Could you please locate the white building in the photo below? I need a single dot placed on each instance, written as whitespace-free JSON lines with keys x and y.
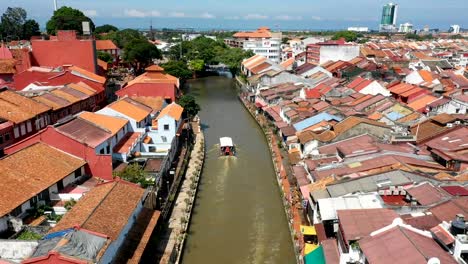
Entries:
{"x":262,"y":42}
{"x":358,"y":29}
{"x":455,"y":29}
{"x":406,"y":28}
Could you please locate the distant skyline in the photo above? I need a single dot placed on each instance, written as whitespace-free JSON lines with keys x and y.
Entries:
{"x":248,"y":14}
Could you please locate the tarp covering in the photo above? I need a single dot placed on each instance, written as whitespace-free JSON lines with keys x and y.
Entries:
{"x":308,"y":248}
{"x":315,"y":257}
{"x":308,"y":230}
{"x":75,"y":243}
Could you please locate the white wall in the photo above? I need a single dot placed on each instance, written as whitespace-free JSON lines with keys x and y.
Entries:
{"x":375,"y":88}
{"x":335,"y":53}
{"x":414,"y":78}
{"x":311,"y":148}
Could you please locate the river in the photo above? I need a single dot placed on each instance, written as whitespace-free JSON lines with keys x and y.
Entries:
{"x":238,"y":216}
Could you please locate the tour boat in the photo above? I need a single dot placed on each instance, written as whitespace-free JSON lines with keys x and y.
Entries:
{"x":226,"y":146}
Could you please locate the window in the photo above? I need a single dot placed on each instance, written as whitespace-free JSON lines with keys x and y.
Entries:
{"x":23,"y":129}
{"x":166,"y":127}
{"x":16,"y":132}
{"x":152,"y":149}
{"x":78,"y":173}
{"x":17,"y":211}
{"x":108,"y":149}
{"x":164,"y":139}
{"x":1,"y":139}
{"x":33,"y":201}
{"x":102,"y":151}
{"x":29,"y":126}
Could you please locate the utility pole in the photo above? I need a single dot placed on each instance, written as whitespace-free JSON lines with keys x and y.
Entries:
{"x":55,"y":5}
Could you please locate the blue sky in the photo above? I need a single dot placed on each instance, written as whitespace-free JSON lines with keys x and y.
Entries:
{"x":248,"y":14}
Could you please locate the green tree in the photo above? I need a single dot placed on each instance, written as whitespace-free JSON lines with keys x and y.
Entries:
{"x":233,"y":57}
{"x":12,"y":22}
{"x":30,"y":28}
{"x":134,"y":173}
{"x":190,"y":105}
{"x":123,"y":37}
{"x":178,"y":69}
{"x":67,"y":18}
{"x":140,"y":53}
{"x":105,"y":29}
{"x":104,"y":56}
{"x":196,"y":65}
{"x":347,"y":35}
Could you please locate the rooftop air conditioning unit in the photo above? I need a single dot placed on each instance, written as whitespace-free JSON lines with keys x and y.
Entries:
{"x":457,"y":122}
{"x":381,"y":192}
{"x":449,"y":125}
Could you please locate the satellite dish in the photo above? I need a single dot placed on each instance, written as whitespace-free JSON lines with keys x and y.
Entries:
{"x":433,"y":261}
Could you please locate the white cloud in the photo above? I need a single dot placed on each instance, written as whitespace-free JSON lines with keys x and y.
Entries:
{"x":140,"y":14}
{"x":155,"y":13}
{"x":177,"y":14}
{"x":232,"y":18}
{"x":207,"y":16}
{"x":316,"y":18}
{"x":90,"y":13}
{"x":286,"y":17}
{"x":134,"y":13}
{"x":255,"y":16}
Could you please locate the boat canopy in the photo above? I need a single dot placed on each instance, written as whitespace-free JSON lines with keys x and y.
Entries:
{"x":226,"y":142}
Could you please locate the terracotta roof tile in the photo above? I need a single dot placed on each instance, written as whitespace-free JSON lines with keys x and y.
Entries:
{"x":132,"y":109}
{"x":105,"y":209}
{"x":173,"y":110}
{"x":87,"y":74}
{"x":112,"y":124}
{"x":156,"y":103}
{"x":28,"y":172}
{"x":105,"y":45}
{"x":17,"y":108}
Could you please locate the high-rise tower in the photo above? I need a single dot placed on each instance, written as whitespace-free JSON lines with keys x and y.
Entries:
{"x":389,"y":17}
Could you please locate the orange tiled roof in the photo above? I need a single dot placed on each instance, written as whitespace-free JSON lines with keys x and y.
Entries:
{"x":82,"y":88}
{"x":17,"y":108}
{"x":422,"y":102}
{"x":105,"y":45}
{"x":131,"y":109}
{"x":154,"y":68}
{"x":426,"y":75}
{"x":7,"y":66}
{"x":106,"y":209}
{"x":156,"y":103}
{"x":28,"y":172}
{"x":262,"y":32}
{"x":70,"y":98}
{"x":104,"y":65}
{"x":173,"y":110}
{"x":87,"y":74}
{"x":110,"y":123}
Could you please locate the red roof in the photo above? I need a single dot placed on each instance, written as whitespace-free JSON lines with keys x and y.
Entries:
{"x":23,"y":79}
{"x":358,"y":223}
{"x":456,"y":190}
{"x":105,"y":45}
{"x":164,"y":90}
{"x":427,"y":194}
{"x":403,"y":246}
{"x":448,"y":210}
